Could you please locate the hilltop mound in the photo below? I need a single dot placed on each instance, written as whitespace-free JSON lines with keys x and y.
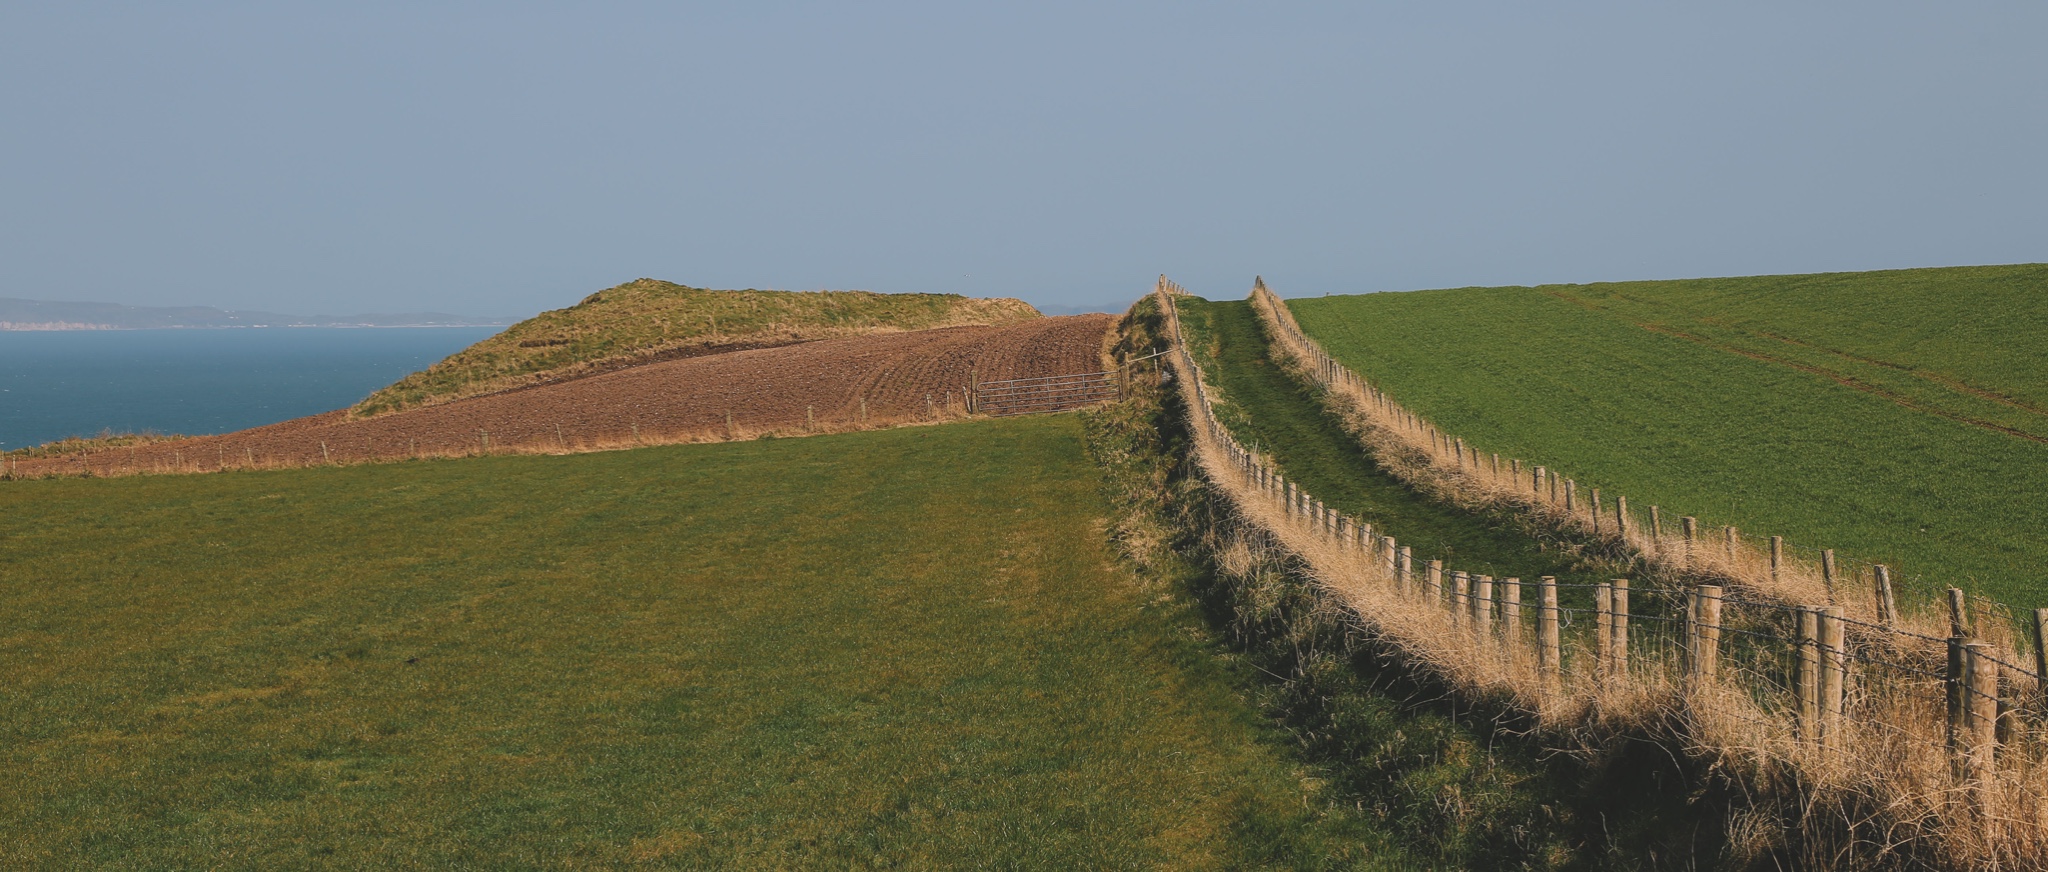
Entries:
{"x":647,"y":320}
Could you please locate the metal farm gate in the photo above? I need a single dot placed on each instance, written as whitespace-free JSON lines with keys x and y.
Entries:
{"x":1053,"y":393}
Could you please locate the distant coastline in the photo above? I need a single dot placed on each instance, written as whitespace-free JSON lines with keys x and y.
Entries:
{"x":58,"y":326}
{"x":18,"y":315}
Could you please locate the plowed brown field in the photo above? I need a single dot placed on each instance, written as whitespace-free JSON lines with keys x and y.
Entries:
{"x":831,"y":384}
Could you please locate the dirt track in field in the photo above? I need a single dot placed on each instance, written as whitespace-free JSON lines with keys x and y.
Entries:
{"x":814,"y":386}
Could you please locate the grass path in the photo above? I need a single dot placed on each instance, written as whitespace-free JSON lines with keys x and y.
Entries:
{"x":1284,"y":418}
{"x":897,"y":648}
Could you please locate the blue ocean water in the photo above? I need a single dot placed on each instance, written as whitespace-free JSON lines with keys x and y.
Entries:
{"x":79,"y":383}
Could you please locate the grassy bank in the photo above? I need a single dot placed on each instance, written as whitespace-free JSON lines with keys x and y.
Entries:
{"x":1664,"y":392}
{"x":904,"y":648}
{"x":1458,"y":780}
{"x":649,"y":319}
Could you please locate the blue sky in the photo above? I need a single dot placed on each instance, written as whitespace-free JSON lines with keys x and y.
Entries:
{"x":505,"y":158}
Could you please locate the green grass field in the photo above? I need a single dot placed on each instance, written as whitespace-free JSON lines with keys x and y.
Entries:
{"x":899,"y":648}
{"x":1886,"y":415}
{"x":647,"y":316}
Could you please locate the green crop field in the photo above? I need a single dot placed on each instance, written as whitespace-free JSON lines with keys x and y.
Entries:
{"x":1893,"y":416}
{"x":646,"y":317}
{"x":896,"y":648}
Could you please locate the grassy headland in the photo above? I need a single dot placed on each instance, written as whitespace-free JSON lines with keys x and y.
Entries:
{"x":1887,"y":415}
{"x":647,"y":319}
{"x":904,"y":648}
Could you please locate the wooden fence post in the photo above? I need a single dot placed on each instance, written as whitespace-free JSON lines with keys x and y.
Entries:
{"x":1603,"y":626}
{"x":2040,"y":629}
{"x":1511,"y":609}
{"x":1809,"y":673}
{"x":1958,"y":614}
{"x":1482,"y":605}
{"x":1549,"y":650}
{"x":1621,"y":517}
{"x":1706,"y":632}
{"x":1596,"y":511}
{"x":1460,"y":606}
{"x":1958,"y":680}
{"x":1834,"y":673}
{"x":1827,"y":571}
{"x":1619,"y":603}
{"x":1691,"y":528}
{"x":1405,"y":568}
{"x":1536,"y":482}
{"x":1656,"y":529}
{"x":1734,"y":542}
{"x":1980,"y":710}
{"x":1433,"y":583}
{"x":1777,"y":556}
{"x":1887,"y":605}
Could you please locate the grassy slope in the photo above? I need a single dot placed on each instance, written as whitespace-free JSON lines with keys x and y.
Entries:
{"x":1708,"y":423}
{"x":646,"y":316}
{"x":903,"y":647}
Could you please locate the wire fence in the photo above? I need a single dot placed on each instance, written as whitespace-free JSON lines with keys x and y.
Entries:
{"x":1844,"y":688}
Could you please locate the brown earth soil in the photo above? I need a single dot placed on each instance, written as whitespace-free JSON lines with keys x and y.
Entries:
{"x":810,"y":387}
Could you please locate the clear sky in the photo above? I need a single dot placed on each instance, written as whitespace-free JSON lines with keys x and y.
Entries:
{"x":502,"y":158}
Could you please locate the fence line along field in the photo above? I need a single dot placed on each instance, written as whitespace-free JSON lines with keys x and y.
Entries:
{"x":1893,"y":755}
{"x":1752,"y":403}
{"x":821,"y":386}
{"x":905,"y":647}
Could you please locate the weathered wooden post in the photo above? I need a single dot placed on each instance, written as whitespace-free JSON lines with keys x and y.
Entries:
{"x":1973,"y":708}
{"x":1777,"y":556}
{"x":1690,"y":527}
{"x":1603,"y":627}
{"x":1433,"y":583}
{"x":1549,"y":647}
{"x":1536,"y":482}
{"x":1460,"y":451}
{"x":1619,"y":603}
{"x":1734,"y":545}
{"x":1293,"y":497}
{"x":1958,"y":614}
{"x":2041,"y":651}
{"x":1460,"y":606}
{"x":1406,"y":568}
{"x":1482,"y":604}
{"x":1511,"y":609}
{"x":1621,"y":517}
{"x":1656,"y":529}
{"x":1809,"y":674}
{"x":1834,"y":673}
{"x":1571,"y":495}
{"x":1887,"y":604}
{"x":1706,"y":632}
{"x":1827,"y":571}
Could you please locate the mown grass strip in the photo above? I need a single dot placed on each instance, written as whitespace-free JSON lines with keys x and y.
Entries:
{"x":1266,"y":406}
{"x":1706,"y":429}
{"x":905,"y":647}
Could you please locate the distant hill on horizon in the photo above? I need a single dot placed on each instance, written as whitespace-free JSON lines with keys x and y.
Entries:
{"x":19,"y":314}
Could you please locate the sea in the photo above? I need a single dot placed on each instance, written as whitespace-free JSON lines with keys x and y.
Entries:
{"x":60,"y":383}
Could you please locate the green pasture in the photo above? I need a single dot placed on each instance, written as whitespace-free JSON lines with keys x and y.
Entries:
{"x":906,"y":648}
{"x":1873,"y":413}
